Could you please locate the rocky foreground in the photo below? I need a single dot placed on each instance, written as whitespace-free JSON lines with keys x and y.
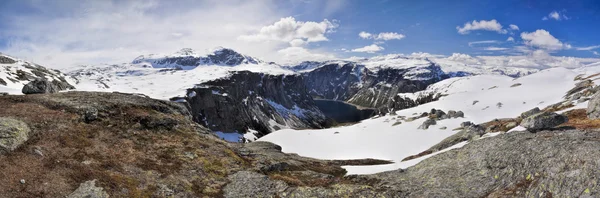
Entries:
{"x":87,"y":144}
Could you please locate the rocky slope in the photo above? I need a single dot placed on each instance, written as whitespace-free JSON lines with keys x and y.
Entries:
{"x":15,"y":73}
{"x":260,"y":102}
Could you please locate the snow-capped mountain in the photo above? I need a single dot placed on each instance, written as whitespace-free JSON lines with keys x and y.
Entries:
{"x":15,"y":73}
{"x":187,"y":58}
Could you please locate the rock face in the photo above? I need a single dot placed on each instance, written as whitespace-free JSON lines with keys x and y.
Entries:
{"x":593,"y":109}
{"x":13,"y":133}
{"x":255,"y":101}
{"x":517,"y":164}
{"x":530,"y":113}
{"x":355,"y":84}
{"x":544,"y":120}
{"x":88,"y":189}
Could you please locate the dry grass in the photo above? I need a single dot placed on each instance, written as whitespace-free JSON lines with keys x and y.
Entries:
{"x":579,"y":120}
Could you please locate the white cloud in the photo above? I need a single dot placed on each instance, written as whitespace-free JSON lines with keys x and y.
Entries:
{"x":294,"y":55}
{"x":542,"y":39}
{"x":510,"y":39}
{"x":491,"y":25}
{"x":513,"y":27}
{"x":384,"y":36}
{"x":365,"y":35}
{"x":495,"y":48}
{"x":471,"y":44}
{"x":92,"y":32}
{"x":288,"y":29}
{"x":556,"y":16}
{"x":596,"y":53}
{"x":369,"y":49}
{"x":588,"y":48}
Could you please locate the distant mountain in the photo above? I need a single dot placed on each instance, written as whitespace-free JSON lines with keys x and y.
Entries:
{"x":15,"y":73}
{"x":187,"y":58}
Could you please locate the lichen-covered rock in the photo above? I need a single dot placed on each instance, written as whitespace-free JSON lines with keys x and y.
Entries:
{"x":593,"y":109}
{"x":252,"y":184}
{"x":544,"y":120}
{"x":39,"y":86}
{"x":88,"y":189}
{"x":13,"y":133}
{"x":530,"y":112}
{"x":427,"y":123}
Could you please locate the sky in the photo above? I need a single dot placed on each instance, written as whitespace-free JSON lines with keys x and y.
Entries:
{"x":65,"y":33}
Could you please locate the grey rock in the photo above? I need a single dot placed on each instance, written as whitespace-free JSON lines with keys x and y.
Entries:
{"x":90,"y":114}
{"x":443,"y":128}
{"x":22,"y":181}
{"x":466,"y":124}
{"x":3,"y":94}
{"x":530,"y":113}
{"x":544,"y":120}
{"x":593,"y":108}
{"x":88,"y":189}
{"x":439,"y":114}
{"x":475,"y":102}
{"x":451,"y":114}
{"x":427,"y":123}
{"x":459,"y":114}
{"x":6,"y":60}
{"x":516,"y":85}
{"x":39,"y":86}
{"x":13,"y":133}
{"x":252,"y":184}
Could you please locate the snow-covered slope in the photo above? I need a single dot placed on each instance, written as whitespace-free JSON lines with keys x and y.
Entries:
{"x":381,"y":138}
{"x":15,"y":73}
{"x":188,"y":59}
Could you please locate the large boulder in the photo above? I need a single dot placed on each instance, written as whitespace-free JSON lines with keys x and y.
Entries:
{"x":40,"y":86}
{"x":530,"y":112}
{"x":544,"y":120}
{"x":88,"y":189}
{"x":13,"y":133}
{"x":593,"y":109}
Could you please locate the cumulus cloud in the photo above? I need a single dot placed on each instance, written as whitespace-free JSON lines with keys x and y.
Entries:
{"x":513,"y":27}
{"x":542,"y":39}
{"x":491,"y":25}
{"x":288,"y":29}
{"x":384,"y":36}
{"x":556,"y":16}
{"x":510,"y":39}
{"x":369,"y":49}
{"x":588,"y":48}
{"x":294,"y":55}
{"x":596,"y":53}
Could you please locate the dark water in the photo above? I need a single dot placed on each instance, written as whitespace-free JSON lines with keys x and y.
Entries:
{"x":342,"y":112}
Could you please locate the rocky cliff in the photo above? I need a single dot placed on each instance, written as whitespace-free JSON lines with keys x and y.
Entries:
{"x":261,"y":102}
{"x":379,"y":89}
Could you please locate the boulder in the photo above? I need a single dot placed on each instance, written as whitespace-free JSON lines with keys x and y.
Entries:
{"x":88,"y":189}
{"x":40,"y":86}
{"x":593,"y":109}
{"x":13,"y":133}
{"x":459,"y":114}
{"x":451,"y":113}
{"x":252,"y":184}
{"x":544,"y":120}
{"x":466,"y":124}
{"x":427,"y":123}
{"x":530,"y":112}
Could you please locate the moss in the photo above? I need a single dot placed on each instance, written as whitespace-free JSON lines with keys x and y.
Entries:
{"x":587,"y":191}
{"x":529,"y":177}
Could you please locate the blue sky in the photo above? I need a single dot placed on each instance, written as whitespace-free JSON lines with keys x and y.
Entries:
{"x":69,"y":32}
